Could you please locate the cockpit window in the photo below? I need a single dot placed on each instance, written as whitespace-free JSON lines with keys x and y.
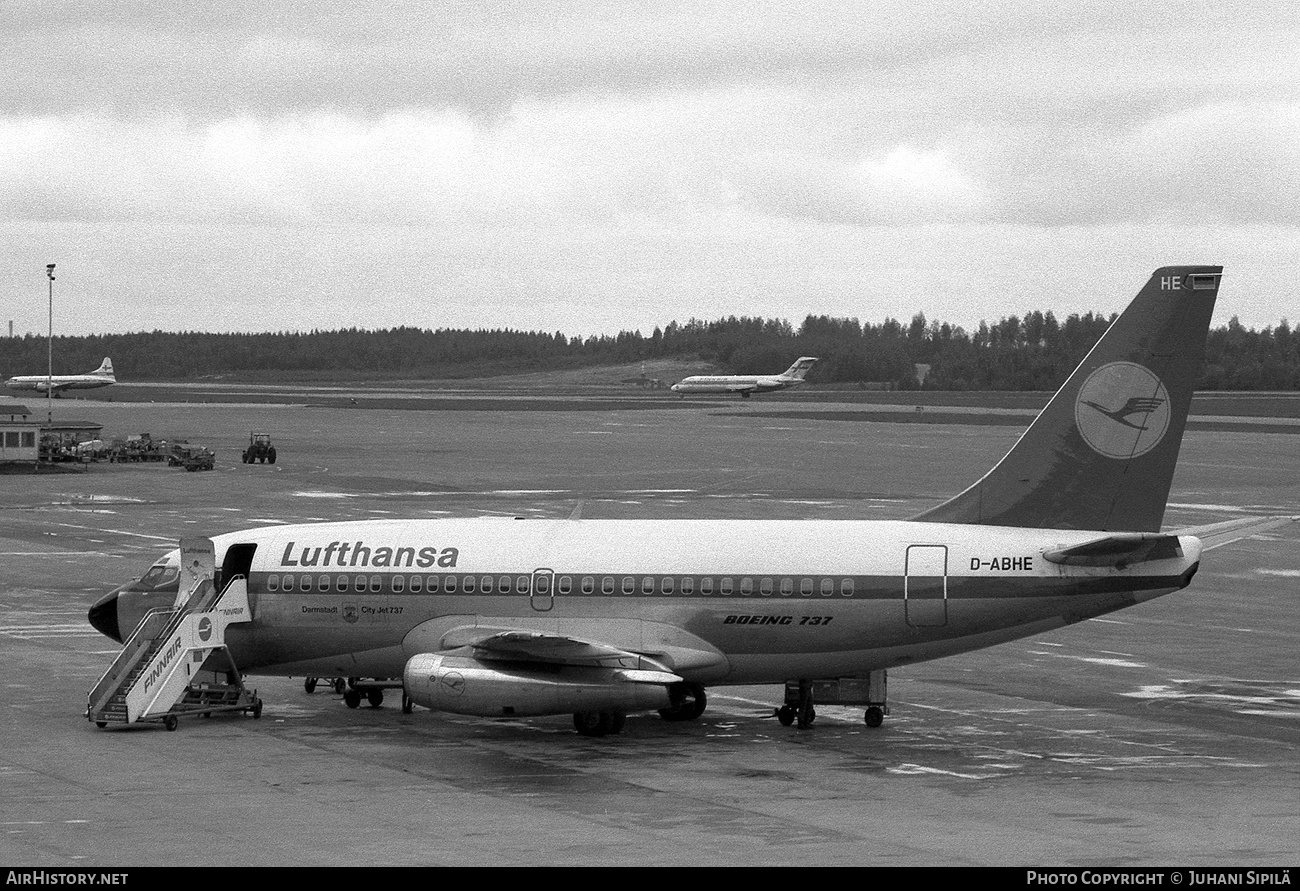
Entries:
{"x":159,"y":576}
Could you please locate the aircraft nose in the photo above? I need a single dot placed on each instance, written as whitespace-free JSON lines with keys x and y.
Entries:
{"x":103,"y":616}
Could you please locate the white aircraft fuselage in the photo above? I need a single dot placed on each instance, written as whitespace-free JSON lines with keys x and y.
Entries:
{"x":734,"y":602}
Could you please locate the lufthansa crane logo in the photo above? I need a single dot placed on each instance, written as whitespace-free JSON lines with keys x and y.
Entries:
{"x":1122,"y":410}
{"x":451,"y":684}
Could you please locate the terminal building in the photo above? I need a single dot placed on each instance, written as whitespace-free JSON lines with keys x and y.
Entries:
{"x":24,"y":441}
{"x":19,"y":435}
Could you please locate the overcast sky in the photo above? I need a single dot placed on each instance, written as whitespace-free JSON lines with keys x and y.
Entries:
{"x":592,"y":167}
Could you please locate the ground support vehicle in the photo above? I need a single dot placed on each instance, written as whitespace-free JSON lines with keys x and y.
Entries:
{"x":338,"y":684}
{"x":373,"y":691}
{"x":259,"y":449}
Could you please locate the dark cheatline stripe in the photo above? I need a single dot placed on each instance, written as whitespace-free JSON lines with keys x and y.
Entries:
{"x":863,"y":587}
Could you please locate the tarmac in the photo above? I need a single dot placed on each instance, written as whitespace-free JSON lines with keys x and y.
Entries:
{"x":1163,"y":735}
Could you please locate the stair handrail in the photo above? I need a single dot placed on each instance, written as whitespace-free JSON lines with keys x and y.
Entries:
{"x":155,"y":624}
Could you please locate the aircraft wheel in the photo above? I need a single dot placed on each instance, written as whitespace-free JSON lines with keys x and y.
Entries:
{"x":785,"y":714}
{"x":700,"y":703}
{"x":874,"y":716}
{"x":339,"y":686}
{"x":408,"y":704}
{"x":375,"y":697}
{"x":170,"y":723}
{"x":309,"y":685}
{"x":689,"y":703}
{"x":352,"y":698}
{"x":591,"y":723}
{"x":101,"y":724}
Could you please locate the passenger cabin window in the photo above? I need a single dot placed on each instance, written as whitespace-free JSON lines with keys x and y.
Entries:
{"x":629,"y":584}
{"x":503,"y":584}
{"x":688,"y":585}
{"x":399,"y":583}
{"x":288,"y":583}
{"x":607,"y":585}
{"x":724,"y":587}
{"x":805,"y":587}
{"x":521,"y":584}
{"x":417,"y":584}
{"x":706,"y":585}
{"x":648,"y":585}
{"x":787,"y":587}
{"x":746,"y":586}
{"x":468,"y":587}
{"x":588,"y":585}
{"x":486,"y":587}
{"x":565,"y":585}
{"x":322,"y":583}
{"x":449,"y":584}
{"x":340,"y":583}
{"x":666,"y":586}
{"x":273,"y":583}
{"x":846,"y":587}
{"x":304,"y":583}
{"x":765,"y":587}
{"x":828,"y":587}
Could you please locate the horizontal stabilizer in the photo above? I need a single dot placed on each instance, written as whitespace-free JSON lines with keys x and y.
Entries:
{"x":1216,"y":535}
{"x":1118,"y":550}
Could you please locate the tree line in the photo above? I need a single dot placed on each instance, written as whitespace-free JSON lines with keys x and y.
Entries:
{"x":1031,"y":352}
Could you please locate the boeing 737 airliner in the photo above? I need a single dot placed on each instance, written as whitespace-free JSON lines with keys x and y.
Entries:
{"x":100,"y":377}
{"x":745,"y":384}
{"x":598,"y":618}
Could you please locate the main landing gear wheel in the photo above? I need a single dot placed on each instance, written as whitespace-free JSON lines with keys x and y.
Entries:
{"x":309,"y":685}
{"x":352,"y":698}
{"x":786,"y":715}
{"x":598,"y":723}
{"x":375,"y":697}
{"x":874,"y":716}
{"x":688,"y":702}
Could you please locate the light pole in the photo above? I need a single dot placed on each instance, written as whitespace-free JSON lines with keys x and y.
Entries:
{"x":49,"y":371}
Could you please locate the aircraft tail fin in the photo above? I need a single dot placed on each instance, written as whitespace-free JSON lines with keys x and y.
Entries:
{"x":799,"y":369}
{"x":1101,"y":455}
{"x":105,"y":368}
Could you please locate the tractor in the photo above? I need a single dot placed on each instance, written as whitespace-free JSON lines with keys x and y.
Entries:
{"x":259,"y":449}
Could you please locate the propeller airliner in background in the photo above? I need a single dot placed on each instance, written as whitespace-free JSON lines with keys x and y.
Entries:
{"x":41,"y":383}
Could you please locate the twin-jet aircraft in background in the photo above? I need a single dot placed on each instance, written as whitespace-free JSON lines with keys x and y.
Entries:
{"x":599,"y":618}
{"x":745,"y":384}
{"x":56,"y":384}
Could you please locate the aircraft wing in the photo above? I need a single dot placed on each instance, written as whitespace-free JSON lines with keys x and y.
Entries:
{"x":1215,"y":535}
{"x":523,"y":646}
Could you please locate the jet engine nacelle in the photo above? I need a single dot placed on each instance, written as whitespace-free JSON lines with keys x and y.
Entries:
{"x":467,"y":686}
